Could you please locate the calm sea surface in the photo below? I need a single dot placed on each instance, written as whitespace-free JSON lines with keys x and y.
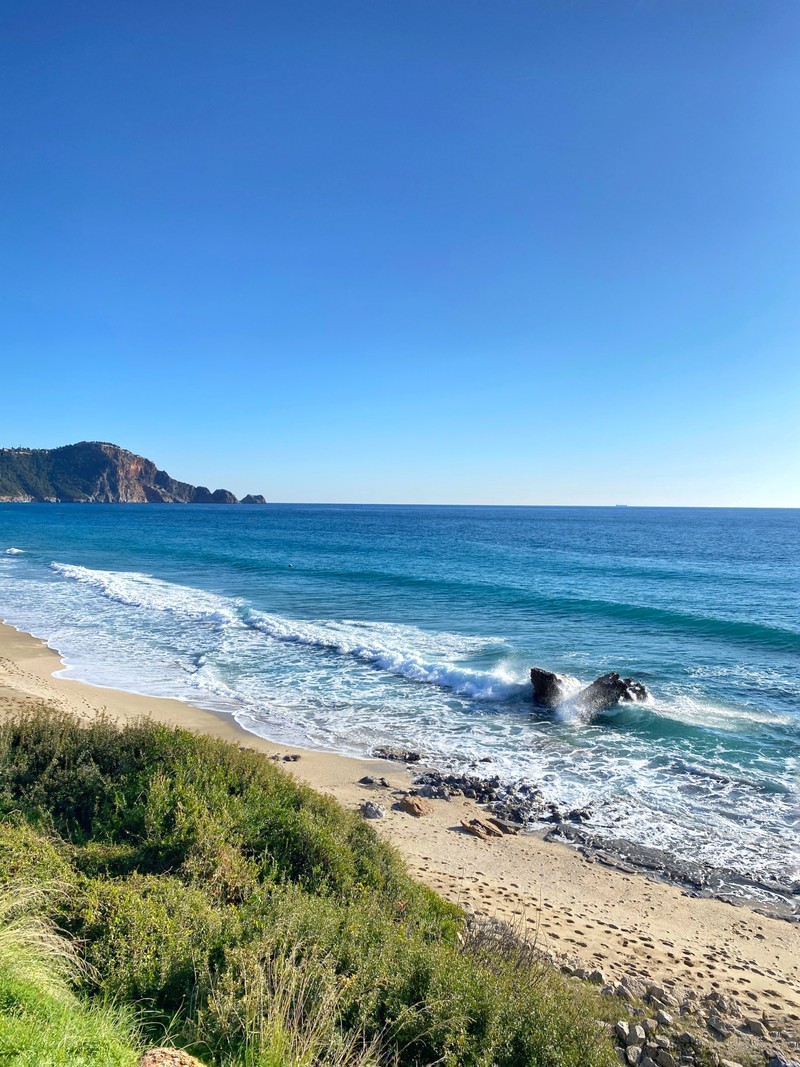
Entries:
{"x":349,"y":627}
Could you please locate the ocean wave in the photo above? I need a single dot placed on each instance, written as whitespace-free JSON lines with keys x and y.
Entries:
{"x":14,"y":551}
{"x":383,"y":645}
{"x":346,"y":640}
{"x":137,"y":590}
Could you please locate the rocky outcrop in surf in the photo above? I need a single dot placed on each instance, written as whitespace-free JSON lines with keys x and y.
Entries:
{"x":605,"y":692}
{"x":548,"y":689}
{"x":609,"y":690}
{"x":99,"y":473}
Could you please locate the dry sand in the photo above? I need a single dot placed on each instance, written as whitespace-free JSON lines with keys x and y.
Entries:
{"x":591,"y":914}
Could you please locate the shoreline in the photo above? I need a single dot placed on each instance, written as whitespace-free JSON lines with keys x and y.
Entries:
{"x":585,"y":915}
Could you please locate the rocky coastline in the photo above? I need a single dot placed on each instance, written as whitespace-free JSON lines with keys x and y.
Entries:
{"x":96,"y":472}
{"x":523,"y":808}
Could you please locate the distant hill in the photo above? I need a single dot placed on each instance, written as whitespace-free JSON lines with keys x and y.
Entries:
{"x":96,"y":472}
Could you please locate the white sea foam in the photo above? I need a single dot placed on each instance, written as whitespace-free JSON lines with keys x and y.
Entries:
{"x":138,"y":590}
{"x":14,"y":551}
{"x":383,"y":645}
{"x":379,"y":649}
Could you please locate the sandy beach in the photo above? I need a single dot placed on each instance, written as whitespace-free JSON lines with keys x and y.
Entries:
{"x":596,"y":917}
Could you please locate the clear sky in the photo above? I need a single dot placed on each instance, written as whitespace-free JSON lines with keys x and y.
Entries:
{"x":485,"y":251}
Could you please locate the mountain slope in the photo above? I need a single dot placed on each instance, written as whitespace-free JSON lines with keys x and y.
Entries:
{"x":95,"y":472}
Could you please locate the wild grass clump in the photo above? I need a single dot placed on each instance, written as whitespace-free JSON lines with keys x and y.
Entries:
{"x":257,"y":922}
{"x":42,"y":1022}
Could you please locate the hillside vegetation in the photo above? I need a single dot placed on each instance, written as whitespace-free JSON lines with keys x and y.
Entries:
{"x":255,"y":922}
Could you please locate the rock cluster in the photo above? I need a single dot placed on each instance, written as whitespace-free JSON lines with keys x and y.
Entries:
{"x":670,"y":1027}
{"x":603,"y":693}
{"x":398,"y":755}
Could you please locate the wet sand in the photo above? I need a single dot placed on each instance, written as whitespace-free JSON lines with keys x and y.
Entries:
{"x":582,"y":912}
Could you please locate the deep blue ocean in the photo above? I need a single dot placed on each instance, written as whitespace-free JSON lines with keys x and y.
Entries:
{"x":347,"y":627}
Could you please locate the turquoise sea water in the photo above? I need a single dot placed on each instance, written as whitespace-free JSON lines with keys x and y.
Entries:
{"x":350,"y":627}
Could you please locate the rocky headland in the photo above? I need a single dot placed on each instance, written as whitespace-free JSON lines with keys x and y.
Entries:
{"x":95,"y":472}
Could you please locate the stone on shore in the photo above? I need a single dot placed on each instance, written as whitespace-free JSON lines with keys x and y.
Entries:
{"x":416,"y":806}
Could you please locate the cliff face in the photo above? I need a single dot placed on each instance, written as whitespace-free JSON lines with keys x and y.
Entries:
{"x":95,"y":472}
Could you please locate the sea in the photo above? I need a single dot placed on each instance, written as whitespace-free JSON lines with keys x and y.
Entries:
{"x":347,"y":628}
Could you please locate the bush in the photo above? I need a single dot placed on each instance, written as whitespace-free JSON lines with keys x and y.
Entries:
{"x":258,"y":920}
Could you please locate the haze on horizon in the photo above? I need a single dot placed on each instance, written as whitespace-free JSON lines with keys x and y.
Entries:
{"x":374,"y":251}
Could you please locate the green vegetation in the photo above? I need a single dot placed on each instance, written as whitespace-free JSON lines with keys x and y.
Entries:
{"x":42,"y":1022}
{"x":255,"y":921}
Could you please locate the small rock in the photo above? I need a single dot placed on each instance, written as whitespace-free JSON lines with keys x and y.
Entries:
{"x":416,"y":806}
{"x":650,"y":1026}
{"x":646,"y":1062}
{"x":717,"y":1026}
{"x":729,"y":1063}
{"x":622,"y":1029}
{"x":633,"y":1054}
{"x":664,"y":1058}
{"x":755,"y":1026}
{"x":663,"y":1041}
{"x":663,"y":1018}
{"x":596,"y":977}
{"x":636,"y":1036}
{"x":636,"y":985}
{"x":371,"y":810}
{"x":168,"y":1057}
{"x":658,"y":992}
{"x":291,"y":757}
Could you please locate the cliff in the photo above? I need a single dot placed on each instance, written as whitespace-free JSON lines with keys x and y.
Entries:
{"x":95,"y":472}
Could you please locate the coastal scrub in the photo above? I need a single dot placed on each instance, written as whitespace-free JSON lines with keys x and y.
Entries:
{"x":257,"y":922}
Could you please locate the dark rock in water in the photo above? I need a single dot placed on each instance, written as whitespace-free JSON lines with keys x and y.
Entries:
{"x":253,"y":498}
{"x":547,"y":688}
{"x":399,"y":755}
{"x":609,"y":690}
{"x":579,"y":815}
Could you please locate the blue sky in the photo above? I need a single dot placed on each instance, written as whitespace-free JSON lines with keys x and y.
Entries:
{"x":518,"y":251}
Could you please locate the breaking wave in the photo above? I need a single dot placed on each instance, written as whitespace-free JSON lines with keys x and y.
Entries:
{"x":382,"y":645}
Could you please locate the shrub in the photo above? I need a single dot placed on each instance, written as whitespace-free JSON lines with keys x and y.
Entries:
{"x":258,"y":920}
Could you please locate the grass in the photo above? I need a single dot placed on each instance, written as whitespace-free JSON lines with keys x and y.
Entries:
{"x":256,"y":921}
{"x":42,"y":1022}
